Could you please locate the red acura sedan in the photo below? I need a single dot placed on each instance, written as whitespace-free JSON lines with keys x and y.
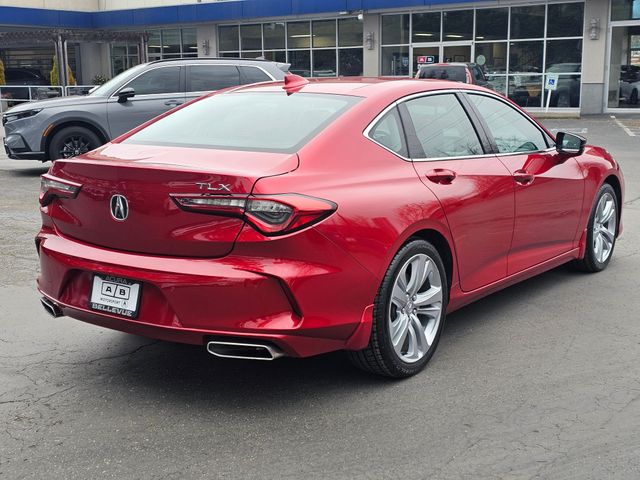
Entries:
{"x":304,"y":217}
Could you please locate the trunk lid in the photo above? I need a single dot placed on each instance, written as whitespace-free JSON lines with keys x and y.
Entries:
{"x":146,"y":176}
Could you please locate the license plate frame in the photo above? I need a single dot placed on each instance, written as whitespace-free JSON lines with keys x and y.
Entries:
{"x":115,"y":295}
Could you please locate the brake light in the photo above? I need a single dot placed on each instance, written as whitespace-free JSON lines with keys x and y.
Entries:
{"x":269,"y":214}
{"x":53,"y":187}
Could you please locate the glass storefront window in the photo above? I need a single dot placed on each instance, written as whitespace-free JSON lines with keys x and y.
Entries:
{"x":276,"y":56}
{"x":298,"y":35}
{"x":300,"y":61}
{"x":624,"y":71}
{"x":349,"y":32}
{"x":564,"y":56}
{"x":565,"y":20}
{"x":526,"y":90}
{"x":567,"y":94}
{"x":251,"y":37}
{"x":324,"y":33}
{"x":492,"y":23}
{"x":457,"y":25}
{"x":324,"y":63}
{"x":525,"y":57}
{"x":527,"y":22}
{"x":154,"y":44}
{"x":395,"y":61}
{"x":350,"y":62}
{"x":228,"y":38}
{"x":273,"y":35}
{"x":426,"y":27}
{"x":189,"y":42}
{"x":395,"y":29}
{"x":313,"y":48}
{"x":171,"y":43}
{"x":625,"y":9}
{"x":492,"y":57}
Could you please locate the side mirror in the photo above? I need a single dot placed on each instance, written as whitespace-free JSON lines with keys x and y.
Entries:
{"x":125,"y":94}
{"x":570,"y":144}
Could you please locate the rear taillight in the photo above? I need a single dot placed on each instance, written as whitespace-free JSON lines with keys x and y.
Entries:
{"x":269,"y":214}
{"x":53,"y":187}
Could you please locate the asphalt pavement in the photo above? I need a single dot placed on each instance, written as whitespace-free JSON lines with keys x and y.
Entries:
{"x":541,"y":380}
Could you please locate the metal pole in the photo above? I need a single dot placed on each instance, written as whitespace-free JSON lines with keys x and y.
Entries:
{"x":143,"y":54}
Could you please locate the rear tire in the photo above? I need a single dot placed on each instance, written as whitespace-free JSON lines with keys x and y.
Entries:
{"x":634,"y":97}
{"x":72,"y":141}
{"x":408,"y":313}
{"x":601,"y":231}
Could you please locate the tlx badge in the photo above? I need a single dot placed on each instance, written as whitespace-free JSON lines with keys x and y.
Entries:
{"x":222,"y":187}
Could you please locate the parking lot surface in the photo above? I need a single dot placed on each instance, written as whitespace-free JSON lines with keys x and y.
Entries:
{"x":541,"y":380}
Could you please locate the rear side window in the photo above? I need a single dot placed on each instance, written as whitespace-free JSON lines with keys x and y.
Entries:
{"x":157,"y":81}
{"x":254,"y":121}
{"x":388,"y":133}
{"x":512,"y":131}
{"x":253,"y":75}
{"x":205,"y":78}
{"x":455,"y":73}
{"x":443,"y":127}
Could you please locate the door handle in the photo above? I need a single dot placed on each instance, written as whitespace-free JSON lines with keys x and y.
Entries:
{"x":523,"y":177}
{"x":441,"y":175}
{"x":172,"y":103}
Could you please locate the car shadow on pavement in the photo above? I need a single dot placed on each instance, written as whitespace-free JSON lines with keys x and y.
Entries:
{"x":188,"y":374}
{"x":29,"y":172}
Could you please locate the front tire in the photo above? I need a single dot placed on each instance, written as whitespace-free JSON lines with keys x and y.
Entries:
{"x":601,"y":231}
{"x":71,"y":142}
{"x":408,"y":314}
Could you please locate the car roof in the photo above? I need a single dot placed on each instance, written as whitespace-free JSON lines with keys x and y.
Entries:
{"x":364,"y":86}
{"x":449,"y":64}
{"x":215,"y":60}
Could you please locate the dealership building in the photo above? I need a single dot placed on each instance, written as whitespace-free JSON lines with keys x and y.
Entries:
{"x":591,"y":48}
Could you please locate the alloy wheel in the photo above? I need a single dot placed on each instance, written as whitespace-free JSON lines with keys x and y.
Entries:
{"x":74,"y":145}
{"x":415,"y":309}
{"x":604,"y":227}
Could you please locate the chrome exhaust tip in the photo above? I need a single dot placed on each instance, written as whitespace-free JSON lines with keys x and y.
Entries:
{"x":51,"y":308}
{"x":243,"y":351}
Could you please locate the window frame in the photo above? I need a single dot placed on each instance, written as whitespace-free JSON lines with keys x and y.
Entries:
{"x":548,"y":139}
{"x":414,"y":146}
{"x":182,"y":82}
{"x":485,"y":136}
{"x":188,"y":66}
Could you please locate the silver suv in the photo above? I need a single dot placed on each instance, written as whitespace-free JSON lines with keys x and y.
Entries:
{"x":67,"y":127}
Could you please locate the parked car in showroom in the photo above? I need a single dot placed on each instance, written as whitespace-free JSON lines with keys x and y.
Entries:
{"x":67,"y":127}
{"x":304,"y":217}
{"x":35,"y":86}
{"x":457,"y":72}
{"x":629,"y":83}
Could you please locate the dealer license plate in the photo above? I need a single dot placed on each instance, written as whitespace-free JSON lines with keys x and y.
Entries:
{"x":115,"y":295}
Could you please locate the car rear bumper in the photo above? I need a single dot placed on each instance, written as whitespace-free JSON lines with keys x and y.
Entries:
{"x":304,"y":309}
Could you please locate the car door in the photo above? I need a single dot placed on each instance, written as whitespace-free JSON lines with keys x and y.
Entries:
{"x":549,"y":187}
{"x":156,"y":91}
{"x":202,"y":79}
{"x":474,"y":188}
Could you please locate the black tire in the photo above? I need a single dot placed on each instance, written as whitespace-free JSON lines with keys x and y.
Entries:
{"x":72,"y":141}
{"x":634,"y":97}
{"x":590,"y":263}
{"x":379,"y":356}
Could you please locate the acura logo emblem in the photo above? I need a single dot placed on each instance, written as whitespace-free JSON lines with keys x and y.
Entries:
{"x":119,"y":207}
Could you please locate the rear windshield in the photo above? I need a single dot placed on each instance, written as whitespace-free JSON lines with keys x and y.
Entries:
{"x":455,"y":73}
{"x":255,"y":121}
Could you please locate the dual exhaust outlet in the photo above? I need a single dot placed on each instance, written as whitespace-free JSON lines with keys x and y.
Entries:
{"x":219,"y":348}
